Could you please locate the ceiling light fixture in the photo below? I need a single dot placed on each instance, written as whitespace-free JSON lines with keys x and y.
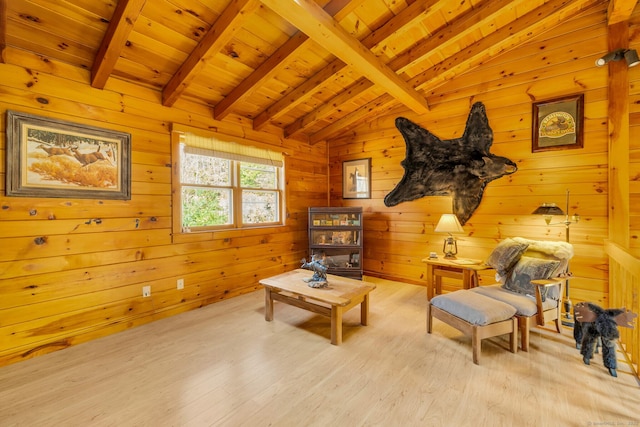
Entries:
{"x":629,"y":55}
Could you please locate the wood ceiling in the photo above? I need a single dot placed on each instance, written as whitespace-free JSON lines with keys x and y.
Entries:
{"x":306,"y":69}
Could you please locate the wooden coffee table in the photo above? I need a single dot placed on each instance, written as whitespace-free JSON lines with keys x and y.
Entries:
{"x":341,"y":295}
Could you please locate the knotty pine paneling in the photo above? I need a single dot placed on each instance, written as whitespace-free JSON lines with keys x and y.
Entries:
{"x":634,"y":144}
{"x":558,"y":64}
{"x":73,"y":269}
{"x":85,"y":280}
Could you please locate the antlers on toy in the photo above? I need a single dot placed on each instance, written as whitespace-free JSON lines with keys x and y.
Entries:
{"x":586,"y":312}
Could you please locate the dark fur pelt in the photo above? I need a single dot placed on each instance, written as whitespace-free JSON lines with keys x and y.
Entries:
{"x":458,"y":167}
{"x":597,"y":323}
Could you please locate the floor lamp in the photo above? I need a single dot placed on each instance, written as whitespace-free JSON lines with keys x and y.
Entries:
{"x":548,"y":210}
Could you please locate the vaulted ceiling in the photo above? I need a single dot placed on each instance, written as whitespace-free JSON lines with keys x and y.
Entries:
{"x":306,"y":69}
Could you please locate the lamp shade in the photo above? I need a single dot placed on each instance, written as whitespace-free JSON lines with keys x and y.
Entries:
{"x":631,"y":56}
{"x":449,"y":224}
{"x":548,"y":209}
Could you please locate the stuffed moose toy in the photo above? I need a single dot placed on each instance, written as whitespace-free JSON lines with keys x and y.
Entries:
{"x":593,"y":322}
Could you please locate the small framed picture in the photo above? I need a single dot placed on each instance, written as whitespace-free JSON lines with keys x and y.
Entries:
{"x":356,"y":179}
{"x":558,"y":124}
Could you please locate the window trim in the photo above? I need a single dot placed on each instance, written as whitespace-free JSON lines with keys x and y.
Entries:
{"x":238,"y":214}
{"x":177,"y":133}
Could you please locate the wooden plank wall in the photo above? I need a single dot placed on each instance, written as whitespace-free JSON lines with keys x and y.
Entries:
{"x":86,"y":280}
{"x":73,"y":270}
{"x":560,"y":63}
{"x":634,"y":139}
{"x":625,"y":261}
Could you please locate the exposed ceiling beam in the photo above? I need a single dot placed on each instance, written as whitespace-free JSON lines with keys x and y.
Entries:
{"x":115,"y":39}
{"x":329,"y":108}
{"x":355,"y":118}
{"x":264,"y":72}
{"x":275,"y":62}
{"x":517,"y":32}
{"x":534,"y":23}
{"x":309,"y":18}
{"x":461,"y":27}
{"x":298,"y":95}
{"x":219,"y":34}
{"x":620,"y":10}
{"x":466,"y":23}
{"x":414,"y":12}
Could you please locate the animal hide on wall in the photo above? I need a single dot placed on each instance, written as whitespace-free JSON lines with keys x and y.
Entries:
{"x":459,"y":167}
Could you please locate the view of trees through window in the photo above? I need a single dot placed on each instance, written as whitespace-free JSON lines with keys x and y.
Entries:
{"x":259,"y":206}
{"x":211,"y":184}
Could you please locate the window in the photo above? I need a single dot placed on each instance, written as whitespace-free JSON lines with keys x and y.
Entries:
{"x":227,"y":185}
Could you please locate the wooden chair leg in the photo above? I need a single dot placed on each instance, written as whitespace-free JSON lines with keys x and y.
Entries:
{"x":524,"y":324}
{"x":476,"y":345}
{"x":429,"y":318}
{"x":514,"y":336}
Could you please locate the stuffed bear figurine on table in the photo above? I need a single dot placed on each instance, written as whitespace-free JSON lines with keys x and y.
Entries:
{"x":593,"y":322}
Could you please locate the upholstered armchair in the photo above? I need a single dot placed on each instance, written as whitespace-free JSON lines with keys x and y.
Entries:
{"x":531,"y":276}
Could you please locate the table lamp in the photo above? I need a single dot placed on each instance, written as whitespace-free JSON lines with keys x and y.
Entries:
{"x":449,"y":224}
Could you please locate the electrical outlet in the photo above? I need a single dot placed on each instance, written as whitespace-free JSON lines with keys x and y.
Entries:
{"x":180,"y":283}
{"x":146,"y":291}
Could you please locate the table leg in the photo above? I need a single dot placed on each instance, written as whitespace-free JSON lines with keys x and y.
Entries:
{"x":438,"y":286}
{"x":364,"y":311}
{"x":430,"y":283}
{"x":475,"y":279}
{"x":268,"y":305}
{"x":336,"y":325}
{"x":466,"y":279}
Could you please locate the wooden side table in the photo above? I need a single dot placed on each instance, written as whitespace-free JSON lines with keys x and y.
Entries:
{"x":462,"y":269}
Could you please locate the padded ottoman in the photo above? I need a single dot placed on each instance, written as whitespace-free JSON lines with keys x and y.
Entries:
{"x":474,"y":315}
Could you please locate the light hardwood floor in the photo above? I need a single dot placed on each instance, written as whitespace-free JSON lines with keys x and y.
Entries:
{"x":224,"y":365}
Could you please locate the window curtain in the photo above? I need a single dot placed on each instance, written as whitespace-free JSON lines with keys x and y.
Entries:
{"x":208,"y":146}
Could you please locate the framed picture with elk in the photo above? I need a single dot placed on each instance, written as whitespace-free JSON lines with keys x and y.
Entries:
{"x":53,"y":158}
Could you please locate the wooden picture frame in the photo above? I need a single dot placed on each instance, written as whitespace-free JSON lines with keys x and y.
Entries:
{"x":356,"y":179}
{"x":558,"y":124}
{"x":54,"y":158}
